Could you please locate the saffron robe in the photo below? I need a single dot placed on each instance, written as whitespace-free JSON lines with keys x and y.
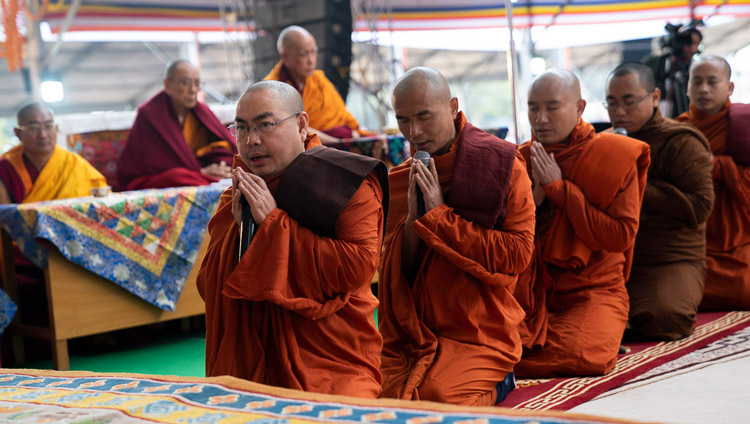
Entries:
{"x":161,"y":153}
{"x":669,"y":260}
{"x":573,"y":291}
{"x":728,"y":227}
{"x":451,"y":335}
{"x":297,"y":310}
{"x":323,"y":103}
{"x":65,"y":175}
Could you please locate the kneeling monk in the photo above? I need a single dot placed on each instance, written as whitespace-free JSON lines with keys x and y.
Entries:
{"x":588,"y":189}
{"x":448,"y":316}
{"x":296,"y":309}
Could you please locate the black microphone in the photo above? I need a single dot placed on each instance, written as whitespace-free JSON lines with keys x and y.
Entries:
{"x":247,"y":226}
{"x":620,"y":131}
{"x":423,"y":157}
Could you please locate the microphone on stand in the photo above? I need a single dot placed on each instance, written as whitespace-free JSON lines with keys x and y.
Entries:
{"x":247,"y":226}
{"x":423,"y":157}
{"x":620,"y":131}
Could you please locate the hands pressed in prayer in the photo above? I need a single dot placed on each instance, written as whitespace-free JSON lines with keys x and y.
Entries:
{"x":429,"y":183}
{"x":544,"y":170}
{"x":256,"y":193}
{"x":217,"y":170}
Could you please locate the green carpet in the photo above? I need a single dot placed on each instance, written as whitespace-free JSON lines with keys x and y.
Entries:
{"x":182,"y":356}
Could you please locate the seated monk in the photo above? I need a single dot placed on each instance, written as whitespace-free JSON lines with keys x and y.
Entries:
{"x":588,"y":189}
{"x":329,"y":118}
{"x":175,"y":140}
{"x":34,"y":171}
{"x":448,"y":317}
{"x":296,"y":310}
{"x":669,"y":260}
{"x":725,"y":124}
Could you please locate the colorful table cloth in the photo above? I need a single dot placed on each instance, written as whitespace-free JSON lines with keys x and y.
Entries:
{"x":84,"y":397}
{"x":146,"y":241}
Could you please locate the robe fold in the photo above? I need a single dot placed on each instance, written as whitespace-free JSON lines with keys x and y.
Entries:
{"x":65,"y":175}
{"x":297,"y":310}
{"x":728,"y":227}
{"x":160,"y":152}
{"x":669,"y":265}
{"x":573,"y":291}
{"x":451,"y":335}
{"x":323,"y":103}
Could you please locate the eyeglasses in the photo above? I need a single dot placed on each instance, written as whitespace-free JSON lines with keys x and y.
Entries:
{"x":37,"y":128}
{"x":628,"y":105}
{"x":240,"y":131}
{"x":187,"y":83}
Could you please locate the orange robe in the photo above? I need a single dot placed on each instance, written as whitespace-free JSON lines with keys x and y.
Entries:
{"x":452,"y":335}
{"x":297,"y":310}
{"x":65,"y":175}
{"x":728,"y":227}
{"x":574,"y":290}
{"x":322,"y":102}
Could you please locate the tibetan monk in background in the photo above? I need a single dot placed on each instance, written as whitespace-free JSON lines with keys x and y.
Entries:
{"x":34,"y":171}
{"x":588,"y":190}
{"x":448,"y":316}
{"x":669,"y":260}
{"x":175,"y":140}
{"x":329,"y":118}
{"x":725,"y":124}
{"x":296,"y":310}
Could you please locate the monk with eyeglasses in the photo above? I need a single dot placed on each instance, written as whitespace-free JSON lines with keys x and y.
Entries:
{"x":295,"y":309}
{"x":175,"y":139}
{"x":669,"y":261}
{"x":329,"y":118}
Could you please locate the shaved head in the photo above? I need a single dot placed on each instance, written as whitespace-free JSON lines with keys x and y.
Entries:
{"x":423,"y":79}
{"x":555,"y":105}
{"x":425,"y":111}
{"x":298,"y":53}
{"x":289,"y":98}
{"x":23,"y":114}
{"x":716,"y":60}
{"x":290,"y":35}
{"x":643,"y":73}
{"x":173,"y":66}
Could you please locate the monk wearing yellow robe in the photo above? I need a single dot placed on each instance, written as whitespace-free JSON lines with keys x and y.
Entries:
{"x":296,"y":309}
{"x":669,"y":259}
{"x":588,"y":190}
{"x":725,"y":124}
{"x":329,"y":118}
{"x":448,"y":316}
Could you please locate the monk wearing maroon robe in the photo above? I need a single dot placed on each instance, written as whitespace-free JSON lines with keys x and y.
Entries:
{"x":448,"y":316}
{"x":588,"y":190}
{"x":296,"y":309}
{"x":175,"y":139}
{"x":725,"y":124}
{"x":669,"y":259}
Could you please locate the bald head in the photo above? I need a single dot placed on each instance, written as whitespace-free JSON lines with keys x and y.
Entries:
{"x":23,"y":114}
{"x":709,"y":85}
{"x":555,"y":105}
{"x":643,"y":74}
{"x":284,"y":94}
{"x":291,"y":35}
{"x":298,"y":53}
{"x":425,"y":110}
{"x":422,"y":79}
{"x":176,"y":65}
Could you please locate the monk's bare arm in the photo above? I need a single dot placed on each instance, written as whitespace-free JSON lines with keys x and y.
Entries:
{"x":685,"y":190}
{"x":506,"y":251}
{"x":4,"y":195}
{"x":736,"y":178}
{"x":613,"y":229}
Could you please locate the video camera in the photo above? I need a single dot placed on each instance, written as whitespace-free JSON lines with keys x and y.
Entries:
{"x":679,"y":36}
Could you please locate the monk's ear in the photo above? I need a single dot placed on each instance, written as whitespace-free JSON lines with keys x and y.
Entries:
{"x":17,"y":132}
{"x":656,"y":96}
{"x":580,"y":106}
{"x":731,"y":88}
{"x":303,"y":120}
{"x":454,"y":107}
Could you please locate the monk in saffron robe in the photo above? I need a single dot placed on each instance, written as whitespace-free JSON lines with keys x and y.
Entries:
{"x":588,"y":190}
{"x":725,"y":124}
{"x":296,"y":310}
{"x":34,"y":171}
{"x":175,"y":139}
{"x":329,"y":118}
{"x":669,"y":260}
{"x":448,"y":316}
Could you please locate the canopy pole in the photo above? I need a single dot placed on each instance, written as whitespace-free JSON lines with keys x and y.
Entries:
{"x":512,"y":69}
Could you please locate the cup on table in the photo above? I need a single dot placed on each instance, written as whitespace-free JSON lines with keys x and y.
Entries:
{"x":100,"y":191}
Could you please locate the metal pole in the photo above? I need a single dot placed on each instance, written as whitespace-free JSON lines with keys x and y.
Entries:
{"x":512,"y":71}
